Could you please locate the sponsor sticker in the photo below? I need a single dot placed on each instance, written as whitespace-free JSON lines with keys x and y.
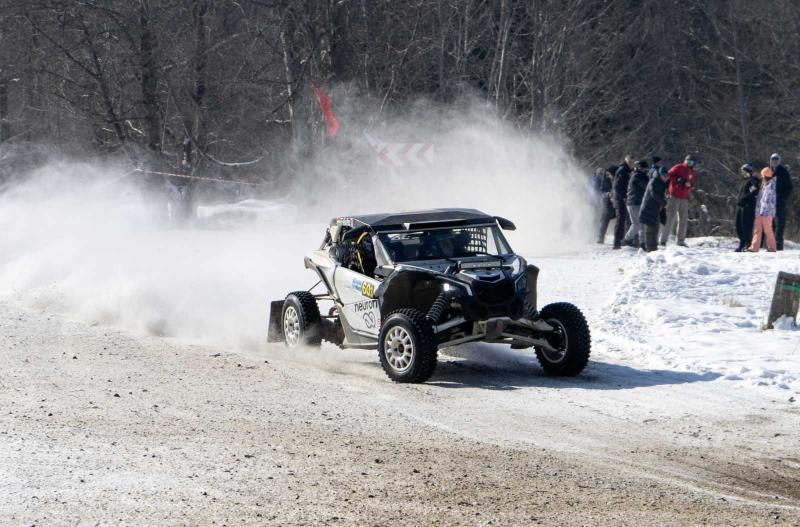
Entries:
{"x":370,"y":320}
{"x":367,"y":305}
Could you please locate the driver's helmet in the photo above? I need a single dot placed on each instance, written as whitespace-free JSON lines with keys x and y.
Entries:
{"x":440,"y":243}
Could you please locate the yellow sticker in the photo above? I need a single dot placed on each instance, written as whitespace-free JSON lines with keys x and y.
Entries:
{"x":367,"y":289}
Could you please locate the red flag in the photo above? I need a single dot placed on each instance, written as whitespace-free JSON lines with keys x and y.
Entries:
{"x":325,"y":106}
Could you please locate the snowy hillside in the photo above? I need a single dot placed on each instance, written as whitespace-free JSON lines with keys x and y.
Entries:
{"x":700,"y":309}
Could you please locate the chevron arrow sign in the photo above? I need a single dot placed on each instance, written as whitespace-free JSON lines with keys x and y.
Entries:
{"x":403,"y":154}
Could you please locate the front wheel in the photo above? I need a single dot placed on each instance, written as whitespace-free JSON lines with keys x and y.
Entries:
{"x":407,"y":346}
{"x":571,"y":340}
{"x":301,"y":322}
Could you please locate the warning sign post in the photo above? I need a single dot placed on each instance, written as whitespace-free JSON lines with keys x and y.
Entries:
{"x":786,"y":300}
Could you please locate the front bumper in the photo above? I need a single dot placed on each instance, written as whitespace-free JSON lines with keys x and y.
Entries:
{"x":521,"y":333}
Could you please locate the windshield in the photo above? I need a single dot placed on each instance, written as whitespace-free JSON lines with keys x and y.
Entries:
{"x":439,"y":244}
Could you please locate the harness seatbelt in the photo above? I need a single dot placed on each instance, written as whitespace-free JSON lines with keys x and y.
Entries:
{"x":358,"y":252}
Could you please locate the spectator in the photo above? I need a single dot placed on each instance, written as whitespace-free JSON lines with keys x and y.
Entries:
{"x":633,"y":200}
{"x":620,"y":191}
{"x":765,"y":212}
{"x":657,"y":167}
{"x":606,"y":202}
{"x":653,"y":202}
{"x":783,"y":187}
{"x":681,"y":182}
{"x":596,"y":179}
{"x":746,"y":207}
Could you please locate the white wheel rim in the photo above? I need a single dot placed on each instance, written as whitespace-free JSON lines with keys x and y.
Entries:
{"x":398,"y":349}
{"x":291,"y":326}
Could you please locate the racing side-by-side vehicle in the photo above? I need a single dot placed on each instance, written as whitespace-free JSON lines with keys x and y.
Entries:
{"x":411,"y":283}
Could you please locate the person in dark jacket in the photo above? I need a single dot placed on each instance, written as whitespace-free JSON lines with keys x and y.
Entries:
{"x":658,"y":168}
{"x":783,"y":183}
{"x":654,"y":201}
{"x":620,"y":192}
{"x":607,"y":212}
{"x":746,"y":207}
{"x":633,"y":200}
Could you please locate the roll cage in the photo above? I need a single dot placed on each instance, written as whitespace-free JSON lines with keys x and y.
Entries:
{"x":372,"y":245}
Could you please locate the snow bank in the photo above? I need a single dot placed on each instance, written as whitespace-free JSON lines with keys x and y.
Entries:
{"x":701,"y":309}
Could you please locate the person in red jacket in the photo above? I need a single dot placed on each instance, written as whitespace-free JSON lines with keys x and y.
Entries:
{"x":681,"y":183}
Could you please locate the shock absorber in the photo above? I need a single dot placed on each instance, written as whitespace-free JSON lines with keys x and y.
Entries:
{"x":437,"y":309}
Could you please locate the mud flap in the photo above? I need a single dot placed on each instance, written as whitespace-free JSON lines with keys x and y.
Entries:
{"x":275,"y":329}
{"x":532,"y":277}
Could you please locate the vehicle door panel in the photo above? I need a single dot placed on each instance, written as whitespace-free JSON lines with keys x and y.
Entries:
{"x":356,"y":292}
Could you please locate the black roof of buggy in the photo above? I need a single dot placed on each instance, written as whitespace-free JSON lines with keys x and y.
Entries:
{"x":423,"y":219}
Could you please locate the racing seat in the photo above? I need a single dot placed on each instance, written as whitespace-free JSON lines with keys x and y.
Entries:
{"x":397,"y":251}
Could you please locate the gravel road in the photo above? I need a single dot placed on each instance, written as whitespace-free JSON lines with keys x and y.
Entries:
{"x":104,"y":427}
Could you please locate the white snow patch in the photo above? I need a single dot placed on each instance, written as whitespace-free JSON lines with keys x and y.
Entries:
{"x":702,"y":309}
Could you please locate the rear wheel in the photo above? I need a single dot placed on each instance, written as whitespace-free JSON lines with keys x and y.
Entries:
{"x":407,"y":346}
{"x":301,"y":322}
{"x":571,"y":340}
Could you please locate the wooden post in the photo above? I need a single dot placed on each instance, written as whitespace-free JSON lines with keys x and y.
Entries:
{"x":786,"y":300}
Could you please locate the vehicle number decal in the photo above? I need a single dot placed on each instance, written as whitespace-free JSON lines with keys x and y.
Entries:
{"x":363,"y":287}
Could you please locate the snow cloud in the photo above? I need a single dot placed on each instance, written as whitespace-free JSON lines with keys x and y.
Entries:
{"x":88,"y":241}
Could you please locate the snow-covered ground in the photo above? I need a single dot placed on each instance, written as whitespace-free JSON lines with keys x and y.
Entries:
{"x":701,"y":309}
{"x":109,"y":421}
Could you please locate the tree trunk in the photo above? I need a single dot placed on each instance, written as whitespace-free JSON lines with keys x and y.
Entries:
{"x":293,"y":73}
{"x":5,"y":123}
{"x":102,"y":81}
{"x":740,"y":90}
{"x":496,"y":77}
{"x":199,"y":12}
{"x":368,"y":40}
{"x":442,"y":40}
{"x":339,"y":46}
{"x":149,"y":74}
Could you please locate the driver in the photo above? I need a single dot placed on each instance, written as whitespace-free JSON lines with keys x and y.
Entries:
{"x":440,"y":244}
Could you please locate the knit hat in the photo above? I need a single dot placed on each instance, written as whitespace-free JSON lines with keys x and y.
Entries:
{"x":747,"y":167}
{"x":766,"y":172}
{"x":775,"y":156}
{"x":655,"y":159}
{"x":642,"y":163}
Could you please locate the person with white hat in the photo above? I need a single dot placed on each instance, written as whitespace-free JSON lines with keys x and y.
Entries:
{"x":765,"y":212}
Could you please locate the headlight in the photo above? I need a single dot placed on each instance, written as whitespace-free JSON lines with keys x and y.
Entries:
{"x":517,"y":266}
{"x":455,"y":287}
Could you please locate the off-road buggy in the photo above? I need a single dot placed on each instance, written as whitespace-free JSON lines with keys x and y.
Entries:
{"x":411,"y":283}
